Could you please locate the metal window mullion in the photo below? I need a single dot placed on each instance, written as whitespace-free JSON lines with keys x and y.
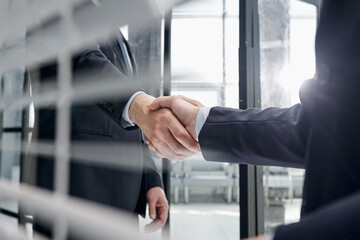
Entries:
{"x":1,"y":116}
{"x":251,"y":213}
{"x":166,"y":167}
{"x":258,"y":174}
{"x":24,"y":136}
{"x":223,"y":86}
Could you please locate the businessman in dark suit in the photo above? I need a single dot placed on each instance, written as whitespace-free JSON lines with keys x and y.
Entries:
{"x":114,"y":122}
{"x":321,"y":134}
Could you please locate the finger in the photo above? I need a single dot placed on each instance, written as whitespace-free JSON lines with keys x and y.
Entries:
{"x":170,"y":149}
{"x":192,"y":101}
{"x":163,"y":217}
{"x":152,"y":209}
{"x":163,"y":212}
{"x":160,"y":102}
{"x":176,"y":146}
{"x":183,"y":136}
{"x":159,"y":143}
{"x":151,"y":146}
{"x":159,"y":154}
{"x":153,"y":226}
{"x":160,"y":222}
{"x":165,"y":151}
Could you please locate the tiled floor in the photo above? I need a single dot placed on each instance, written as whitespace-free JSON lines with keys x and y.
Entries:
{"x":212,"y":221}
{"x":204,"y":221}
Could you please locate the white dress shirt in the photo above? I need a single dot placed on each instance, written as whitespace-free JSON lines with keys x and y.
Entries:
{"x":126,"y":121}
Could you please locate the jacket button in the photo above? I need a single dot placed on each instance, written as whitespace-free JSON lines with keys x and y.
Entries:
{"x":109,"y":107}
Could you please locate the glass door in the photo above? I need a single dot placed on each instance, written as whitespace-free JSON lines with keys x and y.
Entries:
{"x":204,"y":50}
{"x":287,"y":59}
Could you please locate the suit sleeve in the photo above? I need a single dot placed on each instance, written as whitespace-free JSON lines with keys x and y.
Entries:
{"x":94,"y":62}
{"x":273,"y":136}
{"x":151,"y":173}
{"x":339,"y":220}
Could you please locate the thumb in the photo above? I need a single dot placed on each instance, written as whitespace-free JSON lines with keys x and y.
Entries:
{"x":192,"y":101}
{"x":152,"y":209}
{"x":159,"y":102}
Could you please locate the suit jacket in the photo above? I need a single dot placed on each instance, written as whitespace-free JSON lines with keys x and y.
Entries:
{"x":321,"y":134}
{"x":101,"y":122}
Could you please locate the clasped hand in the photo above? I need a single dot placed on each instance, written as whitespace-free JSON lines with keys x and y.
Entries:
{"x":168,"y":123}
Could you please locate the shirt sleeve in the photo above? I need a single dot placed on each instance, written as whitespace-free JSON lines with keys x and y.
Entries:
{"x":201,"y":119}
{"x":125,"y":119}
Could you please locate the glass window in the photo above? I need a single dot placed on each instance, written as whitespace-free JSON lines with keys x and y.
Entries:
{"x":205,"y":40}
{"x":200,"y":6}
{"x":10,"y":159}
{"x":287,"y":58}
{"x":13,"y":85}
{"x":10,"y":169}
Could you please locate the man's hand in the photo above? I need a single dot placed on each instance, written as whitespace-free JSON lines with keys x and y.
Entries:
{"x":184,"y":108}
{"x":163,"y":129}
{"x":158,"y":209}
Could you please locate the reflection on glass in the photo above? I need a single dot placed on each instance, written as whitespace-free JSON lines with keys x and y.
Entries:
{"x":10,"y":169}
{"x":200,"y":6}
{"x":204,"y":195}
{"x":10,"y":159}
{"x":287,"y":57}
{"x":13,"y":85}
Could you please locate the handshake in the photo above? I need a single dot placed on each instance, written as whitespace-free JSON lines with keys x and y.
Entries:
{"x":168,"y":123}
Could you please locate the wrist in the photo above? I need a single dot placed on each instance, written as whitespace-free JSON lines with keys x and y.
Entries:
{"x":192,"y":124}
{"x":138,"y":107}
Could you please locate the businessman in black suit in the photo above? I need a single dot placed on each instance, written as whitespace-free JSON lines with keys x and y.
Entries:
{"x":115,"y":121}
{"x":321,"y":134}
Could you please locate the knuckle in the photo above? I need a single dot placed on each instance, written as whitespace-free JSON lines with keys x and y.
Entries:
{"x":179,"y":134}
{"x":166,"y":115}
{"x":157,"y":127}
{"x":195,"y":146}
{"x":176,"y":149}
{"x":162,"y":116}
{"x":155,"y":138}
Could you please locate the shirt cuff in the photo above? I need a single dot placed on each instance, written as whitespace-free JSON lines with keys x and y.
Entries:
{"x":201,"y":119}
{"x":125,"y":119}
